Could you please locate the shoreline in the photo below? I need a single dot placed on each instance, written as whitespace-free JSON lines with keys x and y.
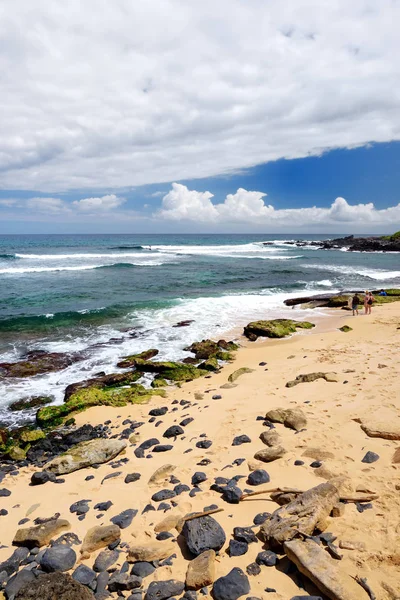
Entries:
{"x":332,"y":436}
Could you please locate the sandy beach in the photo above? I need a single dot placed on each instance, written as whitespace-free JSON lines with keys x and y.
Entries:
{"x":366,"y":363}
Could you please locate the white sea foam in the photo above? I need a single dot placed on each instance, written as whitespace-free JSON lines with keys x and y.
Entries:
{"x":377,"y":274}
{"x":76,"y":256}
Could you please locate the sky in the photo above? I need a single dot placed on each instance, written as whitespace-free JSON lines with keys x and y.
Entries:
{"x":181,"y":116}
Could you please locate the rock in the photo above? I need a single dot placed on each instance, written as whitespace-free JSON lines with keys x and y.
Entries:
{"x":41,"y":477}
{"x":325,"y":573}
{"x":4,"y":493}
{"x":54,"y":585}
{"x":105,"y":560}
{"x":132,"y":477}
{"x":258,"y":477}
{"x":241,"y":439}
{"x":158,"y":412}
{"x":38,"y":362}
{"x":309,"y":377}
{"x":16,"y":453}
{"x":174,"y":371}
{"x":203,"y":533}
{"x":387,"y":430}
{"x":58,"y":558}
{"x":140,"y":450}
{"x":99,"y":537}
{"x":253,"y":569}
{"x":27,"y":403}
{"x":396,"y":457}
{"x":130,"y":361}
{"x":370,"y":457}
{"x":18,"y":582}
{"x":123,"y":581}
{"x":84,"y":575}
{"x":12,"y":564}
{"x":151,"y":551}
{"x":232,"y":586}
{"x":237,"y":548}
{"x":260,"y":518}
{"x":345,"y":328}
{"x":232,"y":494}
{"x":294,"y":418}
{"x":201,"y":571}
{"x":204,"y":444}
{"x":163,"y":495}
{"x":104,"y":381}
{"x":270,"y":438}
{"x":162,"y":590}
{"x":276,"y":328}
{"x":267,"y":558}
{"x":347,"y":545}
{"x":238,"y":373}
{"x":40,"y":535}
{"x":103,"y":506}
{"x":318,"y":454}
{"x":85,"y":454}
{"x":142,"y":569}
{"x":306,"y":513}
{"x":211,"y":364}
{"x":244,"y":534}
{"x":125,"y":518}
{"x":173,"y":431}
{"x":162,"y":448}
{"x":161,"y":473}
{"x":270,"y":454}
{"x":198,"y":477}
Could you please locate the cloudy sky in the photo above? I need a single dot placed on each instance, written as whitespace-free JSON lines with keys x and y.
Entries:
{"x":179,"y":116}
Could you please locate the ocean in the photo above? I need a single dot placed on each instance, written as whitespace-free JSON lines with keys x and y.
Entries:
{"x":113,"y":295}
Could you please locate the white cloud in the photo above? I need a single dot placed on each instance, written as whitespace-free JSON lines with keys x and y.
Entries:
{"x":229,"y":84}
{"x":50,"y":205}
{"x":103,"y":204}
{"x":9,"y":202}
{"x":245,"y":207}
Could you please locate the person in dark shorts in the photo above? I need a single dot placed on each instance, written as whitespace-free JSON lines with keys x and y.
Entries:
{"x":355,"y":301}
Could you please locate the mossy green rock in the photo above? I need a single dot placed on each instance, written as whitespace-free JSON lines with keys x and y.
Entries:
{"x":276,"y":328}
{"x":158,"y":382}
{"x":210,"y":365}
{"x":50,"y":416}
{"x":85,"y":454}
{"x":345,"y":328}
{"x":16,"y":453}
{"x":30,"y":436}
{"x":26,"y":403}
{"x":242,"y":371}
{"x":224,"y":356}
{"x":338,"y":301}
{"x":130,"y":361}
{"x":104,"y":382}
{"x":174,"y":371}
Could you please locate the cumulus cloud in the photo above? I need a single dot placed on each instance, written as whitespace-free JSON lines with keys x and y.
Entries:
{"x":103,"y":204}
{"x":230,"y":84}
{"x":246,"y":207}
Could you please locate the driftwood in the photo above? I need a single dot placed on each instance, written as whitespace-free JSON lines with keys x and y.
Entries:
{"x":202,"y":514}
{"x":364,"y":584}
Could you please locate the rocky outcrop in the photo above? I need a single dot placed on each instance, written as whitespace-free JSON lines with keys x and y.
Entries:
{"x":276,"y":328}
{"x":208,"y":349}
{"x":130,"y":361}
{"x":27,"y":403}
{"x":174,"y":371}
{"x":40,"y":535}
{"x":54,"y":585}
{"x":382,"y":428}
{"x":387,"y":243}
{"x":307,"y":513}
{"x":103,"y":382}
{"x":38,"y":362}
{"x":86,"y":454}
{"x":316,"y":564}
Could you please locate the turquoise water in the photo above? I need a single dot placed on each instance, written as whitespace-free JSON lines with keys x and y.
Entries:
{"x":84,"y":292}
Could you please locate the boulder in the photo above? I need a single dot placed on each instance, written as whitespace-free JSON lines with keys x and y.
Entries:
{"x":386,"y":429}
{"x":105,"y":559}
{"x":316,"y":564}
{"x":270,"y":454}
{"x":238,"y":373}
{"x":203,"y":533}
{"x":211,"y":364}
{"x":309,"y":377}
{"x":232,"y":586}
{"x":122,"y":581}
{"x":85,"y":454}
{"x":54,"y":585}
{"x":276,"y":328}
{"x":27,"y":403}
{"x":85,"y":575}
{"x":125,"y":518}
{"x":258,"y":477}
{"x":307,"y":513}
{"x":17,"y":582}
{"x":174,"y":371}
{"x":30,"y":436}
{"x":294,"y":418}
{"x":104,"y":381}
{"x":151,"y":551}
{"x":130,"y":361}
{"x":40,"y":535}
{"x":201,"y":571}
{"x":162,"y":590}
{"x":38,"y":362}
{"x":204,"y":349}
{"x":58,"y":558}
{"x":99,"y":537}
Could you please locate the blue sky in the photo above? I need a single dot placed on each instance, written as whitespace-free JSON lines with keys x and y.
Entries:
{"x":239,"y":116}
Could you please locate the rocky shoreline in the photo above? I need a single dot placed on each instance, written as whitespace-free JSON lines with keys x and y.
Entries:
{"x":390,"y":243}
{"x":192,"y":526}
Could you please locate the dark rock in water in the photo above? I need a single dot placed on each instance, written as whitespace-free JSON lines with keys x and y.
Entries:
{"x":232,"y":586}
{"x":162,"y":448}
{"x":204,"y":444}
{"x":103,"y":506}
{"x":253,"y":569}
{"x":163,"y":495}
{"x":258,"y":477}
{"x":132,"y":477}
{"x":180,"y":488}
{"x":37,"y":362}
{"x":198,"y":477}
{"x":237,"y":548}
{"x":142,"y":569}
{"x":162,"y":590}
{"x":105,"y":560}
{"x":58,"y":558}
{"x":244,"y":534}
{"x":267,"y":558}
{"x":18,"y":582}
{"x":54,"y":585}
{"x":232,"y":494}
{"x":203,"y":533}
{"x":125,"y":518}
{"x":123,"y":581}
{"x":173,"y":431}
{"x":184,"y":323}
{"x":261,"y":518}
{"x":13,"y":562}
{"x":33,"y":402}
{"x":241,"y":439}
{"x":158,"y":412}
{"x":84,"y":575}
{"x":370,"y":457}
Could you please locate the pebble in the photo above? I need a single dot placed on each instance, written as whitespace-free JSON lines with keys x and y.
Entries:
{"x":180,"y":488}
{"x":258,"y":477}
{"x":162,"y":448}
{"x":132,"y":477}
{"x":241,"y":439}
{"x":125,"y":518}
{"x":253,"y":569}
{"x":84,"y":575}
{"x":232,"y":494}
{"x":198,"y":477}
{"x":158,"y":412}
{"x":237,"y":548}
{"x":244,"y":534}
{"x":173,"y":431}
{"x":316,"y":464}
{"x":298,"y":463}
{"x":217,"y":397}
{"x":186,"y":421}
{"x":163,"y":495}
{"x":370,"y":457}
{"x":267,"y":558}
{"x":142,"y":569}
{"x":4,"y":493}
{"x":103,"y":506}
{"x":260,"y":518}
{"x":204,"y":444}
{"x":105,"y":560}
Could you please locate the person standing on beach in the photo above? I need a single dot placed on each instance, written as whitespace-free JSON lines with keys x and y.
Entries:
{"x":368,"y":300}
{"x":355,"y":301}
